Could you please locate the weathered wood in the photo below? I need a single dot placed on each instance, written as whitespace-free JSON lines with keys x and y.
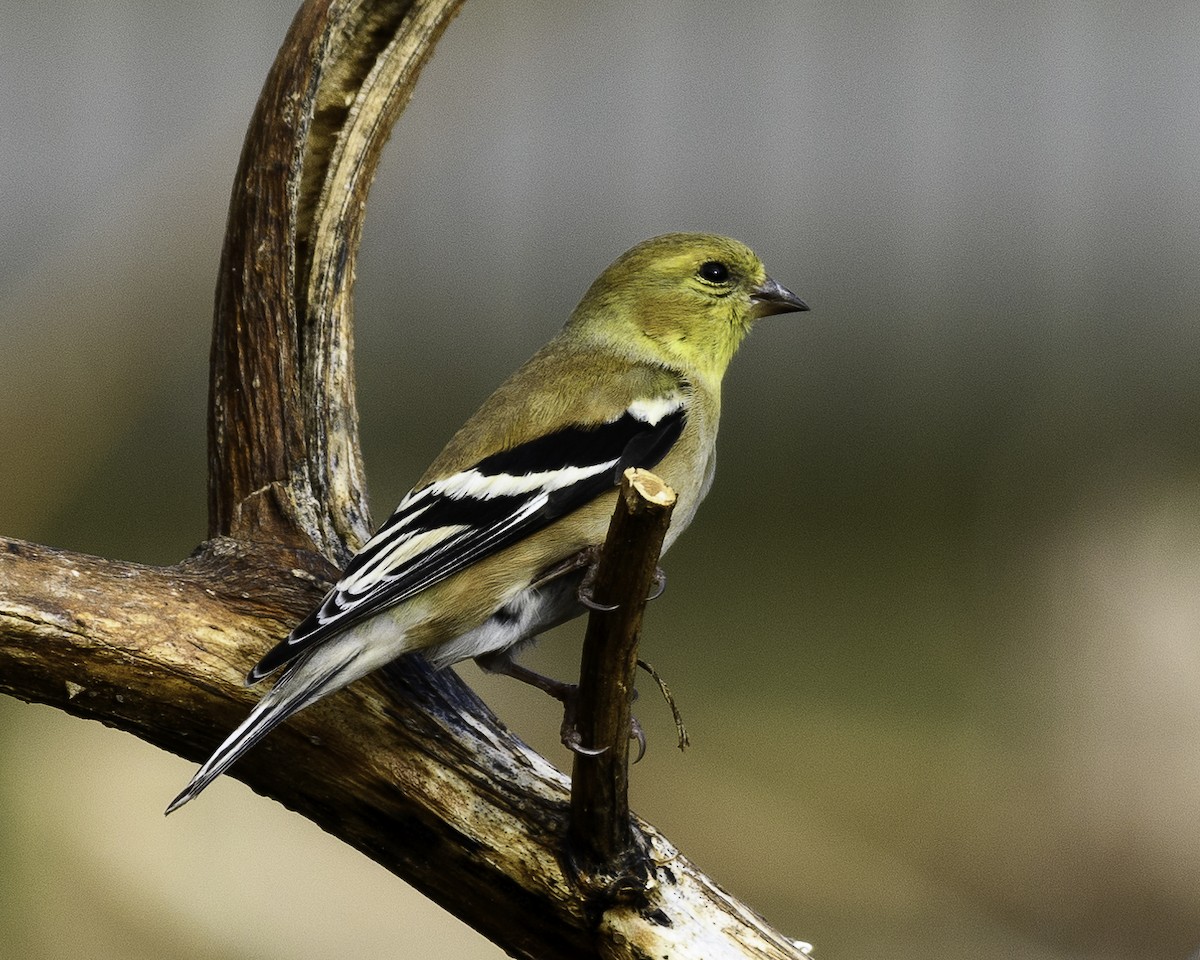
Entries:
{"x":407,"y":766}
{"x":285,"y":461}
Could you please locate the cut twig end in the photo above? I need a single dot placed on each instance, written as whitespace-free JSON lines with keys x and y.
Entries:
{"x":650,"y":487}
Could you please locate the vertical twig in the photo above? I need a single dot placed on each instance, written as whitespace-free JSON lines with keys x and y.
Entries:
{"x":600,"y":829}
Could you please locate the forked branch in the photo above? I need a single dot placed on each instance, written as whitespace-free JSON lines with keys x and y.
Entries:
{"x":407,"y":766}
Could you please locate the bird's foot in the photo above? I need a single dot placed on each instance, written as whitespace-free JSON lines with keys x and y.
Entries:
{"x":587,"y":586}
{"x":573,"y":740}
{"x":565,"y":693}
{"x":586,"y":589}
{"x":569,"y":733}
{"x":637,"y":733}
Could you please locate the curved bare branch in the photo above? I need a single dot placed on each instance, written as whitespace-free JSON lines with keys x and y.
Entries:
{"x":285,"y":462}
{"x":408,"y":766}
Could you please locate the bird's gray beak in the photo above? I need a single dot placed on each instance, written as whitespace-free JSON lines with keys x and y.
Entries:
{"x":769,"y":298}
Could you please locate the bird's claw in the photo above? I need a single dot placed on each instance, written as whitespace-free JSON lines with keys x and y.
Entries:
{"x":587,"y":601}
{"x":637,"y":733}
{"x":588,"y":583}
{"x":572,"y":741}
{"x":571,"y":738}
{"x":585,"y":589}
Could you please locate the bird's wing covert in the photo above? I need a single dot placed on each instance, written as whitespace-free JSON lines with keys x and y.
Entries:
{"x":454,"y":522}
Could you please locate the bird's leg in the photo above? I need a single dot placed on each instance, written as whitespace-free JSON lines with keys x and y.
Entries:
{"x":502,"y":662}
{"x":587,"y":560}
{"x":576,"y":561}
{"x":566,"y":693}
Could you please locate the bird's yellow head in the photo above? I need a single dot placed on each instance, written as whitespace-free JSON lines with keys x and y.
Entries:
{"x":686,"y":299}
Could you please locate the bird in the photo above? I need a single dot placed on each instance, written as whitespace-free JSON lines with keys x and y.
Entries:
{"x":490,"y":547}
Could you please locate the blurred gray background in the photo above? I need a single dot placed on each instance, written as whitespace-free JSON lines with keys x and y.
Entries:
{"x":935,"y":632}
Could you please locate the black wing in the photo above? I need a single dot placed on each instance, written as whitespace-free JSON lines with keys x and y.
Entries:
{"x":450,"y":524}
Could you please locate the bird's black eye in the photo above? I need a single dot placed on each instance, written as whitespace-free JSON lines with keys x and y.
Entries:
{"x":714,"y":271}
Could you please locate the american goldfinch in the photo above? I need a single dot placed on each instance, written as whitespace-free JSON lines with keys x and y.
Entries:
{"x":478,"y":557}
